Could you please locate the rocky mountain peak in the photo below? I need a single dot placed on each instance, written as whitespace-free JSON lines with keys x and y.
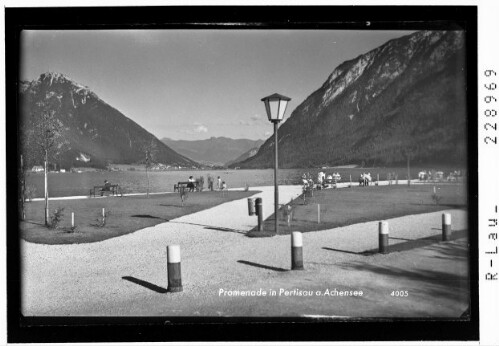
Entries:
{"x":409,"y":88}
{"x":91,"y":127}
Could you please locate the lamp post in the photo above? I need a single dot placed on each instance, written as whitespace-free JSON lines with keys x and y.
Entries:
{"x":275,"y":106}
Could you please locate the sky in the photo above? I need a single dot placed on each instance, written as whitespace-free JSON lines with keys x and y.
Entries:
{"x":196,"y":84}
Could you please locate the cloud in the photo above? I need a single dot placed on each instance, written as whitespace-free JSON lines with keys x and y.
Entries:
{"x":254,"y":120}
{"x":267,"y":134}
{"x":200,"y":128}
{"x":256,"y":117}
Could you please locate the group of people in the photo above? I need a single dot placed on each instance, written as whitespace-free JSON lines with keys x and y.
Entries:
{"x":323,"y":180}
{"x":307,"y":181}
{"x":425,"y":175}
{"x":330,"y":179}
{"x":439,"y":175}
{"x":365,"y":179}
{"x":221,"y":185}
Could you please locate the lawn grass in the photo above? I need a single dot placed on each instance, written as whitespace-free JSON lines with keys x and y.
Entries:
{"x":126,"y":215}
{"x":347,"y":206}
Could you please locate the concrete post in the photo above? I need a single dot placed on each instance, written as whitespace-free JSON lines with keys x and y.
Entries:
{"x":446,"y":227}
{"x":383,"y":237}
{"x":258,"y":207}
{"x":72,"y":220}
{"x":251,"y":206}
{"x":296,"y":251}
{"x":173,"y":267}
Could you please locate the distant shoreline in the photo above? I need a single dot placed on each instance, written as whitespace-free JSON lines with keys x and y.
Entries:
{"x":341,"y":167}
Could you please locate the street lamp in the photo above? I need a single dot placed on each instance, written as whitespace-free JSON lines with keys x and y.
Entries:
{"x":275,"y":105}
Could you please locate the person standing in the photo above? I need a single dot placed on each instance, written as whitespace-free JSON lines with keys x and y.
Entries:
{"x":190,"y":184}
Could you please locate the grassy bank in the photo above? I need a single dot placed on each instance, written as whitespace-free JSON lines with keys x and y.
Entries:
{"x":346,"y":206}
{"x":124,"y":215}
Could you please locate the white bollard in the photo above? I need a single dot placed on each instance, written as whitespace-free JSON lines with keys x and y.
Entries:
{"x":383,"y":236}
{"x":296,"y":251}
{"x":173,"y":266}
{"x":446,"y":227}
{"x":72,"y":220}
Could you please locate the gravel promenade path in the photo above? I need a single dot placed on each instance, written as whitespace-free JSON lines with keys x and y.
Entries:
{"x":126,"y":276}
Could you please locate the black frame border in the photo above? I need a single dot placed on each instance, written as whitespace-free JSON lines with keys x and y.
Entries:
{"x":34,"y":330}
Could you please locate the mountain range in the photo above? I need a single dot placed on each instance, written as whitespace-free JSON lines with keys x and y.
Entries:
{"x":215,"y":151}
{"x":92,"y":132}
{"x":405,"y":100}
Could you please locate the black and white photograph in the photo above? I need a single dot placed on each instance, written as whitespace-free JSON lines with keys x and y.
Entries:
{"x":240,"y":172}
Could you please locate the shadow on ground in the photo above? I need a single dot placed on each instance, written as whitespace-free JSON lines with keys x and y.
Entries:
{"x":145,"y":284}
{"x":448,"y":205}
{"x":349,"y":252}
{"x":258,"y":265}
{"x":411,"y":244}
{"x":171,"y":205}
{"x":439,"y":283}
{"x":224,"y":229}
{"x":146,"y":216}
{"x":34,"y":223}
{"x":214,"y":228}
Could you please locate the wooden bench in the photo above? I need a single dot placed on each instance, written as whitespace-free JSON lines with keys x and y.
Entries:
{"x":183,"y":185}
{"x":110,"y":189}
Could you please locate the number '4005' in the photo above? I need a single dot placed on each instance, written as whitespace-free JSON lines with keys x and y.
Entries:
{"x":400,"y":294}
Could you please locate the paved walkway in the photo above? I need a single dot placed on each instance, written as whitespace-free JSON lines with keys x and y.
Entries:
{"x":127,"y":275}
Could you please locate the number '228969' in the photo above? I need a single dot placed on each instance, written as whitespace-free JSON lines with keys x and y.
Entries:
{"x":490,"y":113}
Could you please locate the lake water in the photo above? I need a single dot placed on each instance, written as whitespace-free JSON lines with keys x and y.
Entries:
{"x":79,"y":184}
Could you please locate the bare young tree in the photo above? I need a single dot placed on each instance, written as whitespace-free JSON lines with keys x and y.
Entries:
{"x":47,"y":131}
{"x":150,"y":151}
{"x":408,"y":147}
{"x":22,"y":188}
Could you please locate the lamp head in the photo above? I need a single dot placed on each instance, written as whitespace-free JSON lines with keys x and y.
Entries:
{"x":275,"y":105}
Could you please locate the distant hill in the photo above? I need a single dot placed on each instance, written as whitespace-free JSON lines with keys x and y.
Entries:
{"x":94,"y":133}
{"x":250,"y":153}
{"x":213,"y":151}
{"x":406,"y":98}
